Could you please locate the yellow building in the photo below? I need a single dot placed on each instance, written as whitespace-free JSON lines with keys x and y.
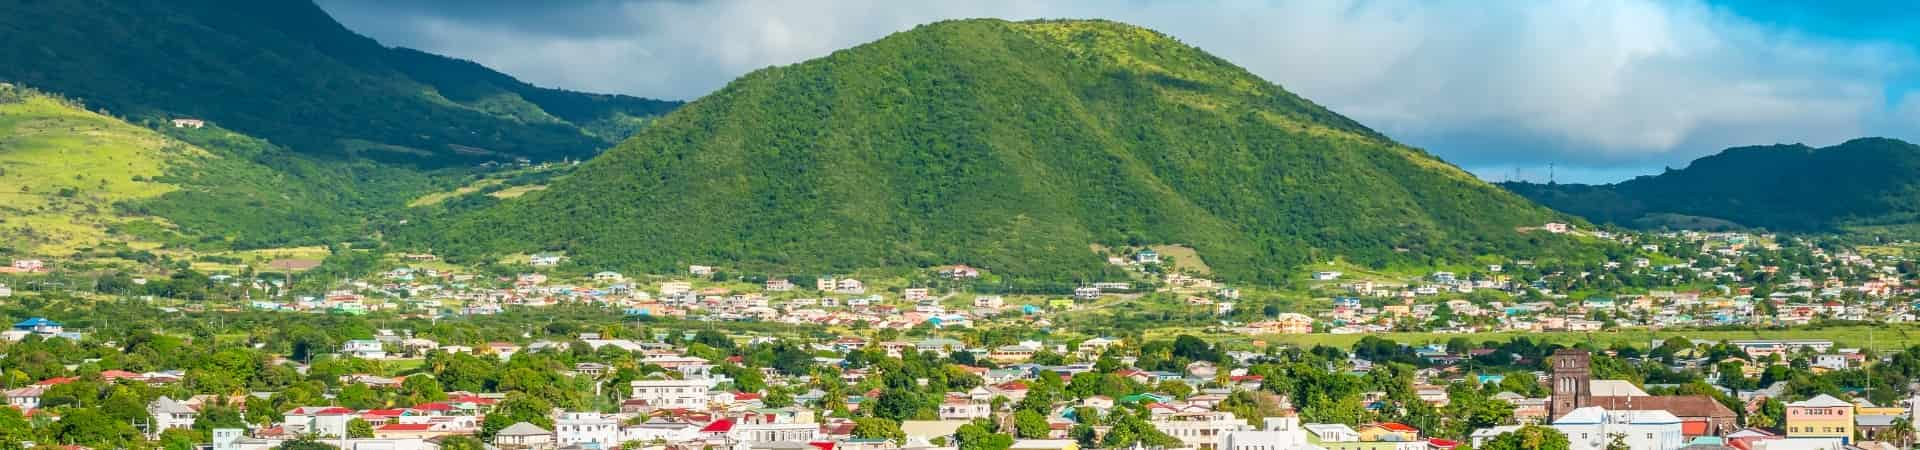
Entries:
{"x":1388,"y":432}
{"x":1820,"y":417}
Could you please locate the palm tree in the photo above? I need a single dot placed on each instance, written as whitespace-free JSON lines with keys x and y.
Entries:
{"x":1902,"y":430}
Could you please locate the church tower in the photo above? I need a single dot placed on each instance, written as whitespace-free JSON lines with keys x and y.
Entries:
{"x":1572,"y":381}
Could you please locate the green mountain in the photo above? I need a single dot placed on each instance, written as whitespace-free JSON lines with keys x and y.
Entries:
{"x":1868,"y":182}
{"x":76,"y":181}
{"x":287,"y":72}
{"x":1018,"y":147}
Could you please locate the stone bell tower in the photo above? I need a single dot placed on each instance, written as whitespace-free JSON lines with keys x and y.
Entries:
{"x":1572,"y":381}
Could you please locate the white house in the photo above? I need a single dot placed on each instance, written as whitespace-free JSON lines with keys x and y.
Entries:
{"x":671,"y":393}
{"x":26,"y":398}
{"x":364,"y":349}
{"x":1199,"y":429}
{"x":169,"y":414}
{"x":955,"y":408}
{"x":850,"y":286}
{"x":317,"y":420}
{"x":660,"y":429}
{"x":523,"y":436}
{"x":545,"y":260}
{"x":1280,"y":433}
{"x":586,"y":429}
{"x":775,"y":432}
{"x":1593,"y":428}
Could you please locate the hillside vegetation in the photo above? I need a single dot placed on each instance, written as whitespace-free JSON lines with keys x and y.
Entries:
{"x":73,"y":180}
{"x":63,"y":168}
{"x":1863,"y":183}
{"x":1011,"y":146}
{"x":286,"y":72}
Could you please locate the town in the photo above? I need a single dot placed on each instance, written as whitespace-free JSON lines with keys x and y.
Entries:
{"x":419,"y":354}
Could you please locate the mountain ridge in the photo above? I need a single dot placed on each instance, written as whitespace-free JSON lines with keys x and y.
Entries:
{"x":287,"y":72}
{"x":1007,"y":145}
{"x":1783,"y":187}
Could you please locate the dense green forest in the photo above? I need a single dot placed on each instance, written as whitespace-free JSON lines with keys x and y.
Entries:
{"x":288,"y":73}
{"x":1867,"y":182}
{"x":1011,"y":146}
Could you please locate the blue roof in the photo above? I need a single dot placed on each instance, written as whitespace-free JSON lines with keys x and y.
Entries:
{"x":36,"y":322}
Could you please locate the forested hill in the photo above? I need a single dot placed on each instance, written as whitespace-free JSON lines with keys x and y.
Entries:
{"x":1012,"y":146}
{"x":287,"y":72}
{"x":1867,"y":182}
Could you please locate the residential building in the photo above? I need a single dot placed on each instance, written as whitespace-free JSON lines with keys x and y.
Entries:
{"x":586,"y":429}
{"x":1199,"y":429}
{"x":317,"y":420}
{"x":364,"y":349}
{"x":1279,"y":433}
{"x":1596,"y":428}
{"x":1820,"y":417}
{"x":26,"y":398}
{"x":961,"y":408}
{"x":169,"y":414}
{"x":666,"y":394}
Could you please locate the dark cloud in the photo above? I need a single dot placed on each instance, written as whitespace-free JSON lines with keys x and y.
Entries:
{"x":1600,"y":88}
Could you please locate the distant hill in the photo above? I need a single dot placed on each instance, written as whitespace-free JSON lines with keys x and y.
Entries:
{"x":1012,"y":146}
{"x":62,"y":168}
{"x":287,"y":72}
{"x":1866,"y":182}
{"x":72,"y":180}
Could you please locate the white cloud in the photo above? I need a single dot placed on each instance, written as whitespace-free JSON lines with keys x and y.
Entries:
{"x":1599,"y":83}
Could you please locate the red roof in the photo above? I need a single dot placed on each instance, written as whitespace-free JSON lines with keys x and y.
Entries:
{"x":1398,"y":427}
{"x":117,"y":374}
{"x":435,"y":406}
{"x":1442,"y":443}
{"x":407,"y":427}
{"x":837,"y":429}
{"x":827,"y":445}
{"x":56,"y":381}
{"x":1246,"y":378}
{"x":718,"y":426}
{"x":474,"y":399}
{"x":745,"y":396}
{"x":320,"y":411}
{"x":384,"y":412}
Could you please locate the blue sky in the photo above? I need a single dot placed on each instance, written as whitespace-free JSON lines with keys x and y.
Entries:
{"x":1599,"y":90}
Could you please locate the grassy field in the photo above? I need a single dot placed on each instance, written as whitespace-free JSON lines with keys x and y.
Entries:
{"x":437,"y":197}
{"x":1887,"y":337}
{"x":1185,"y":259}
{"x":259,"y":259}
{"x":62,"y":169}
{"x":517,"y":191}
